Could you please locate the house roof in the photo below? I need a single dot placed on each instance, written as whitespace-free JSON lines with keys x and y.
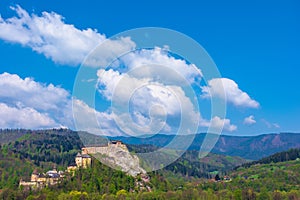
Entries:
{"x":53,"y":175}
{"x":78,"y":155}
{"x":35,"y":171}
{"x":42,"y":176}
{"x":85,"y":156}
{"x":116,"y":141}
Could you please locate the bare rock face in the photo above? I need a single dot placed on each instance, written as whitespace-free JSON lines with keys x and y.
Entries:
{"x":118,"y":157}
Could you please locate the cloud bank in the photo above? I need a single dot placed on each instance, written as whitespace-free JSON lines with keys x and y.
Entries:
{"x":25,"y":103}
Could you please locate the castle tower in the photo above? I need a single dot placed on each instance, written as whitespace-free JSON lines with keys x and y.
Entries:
{"x":86,"y":161}
{"x":34,"y":176}
{"x":78,"y":160}
{"x":54,"y":168}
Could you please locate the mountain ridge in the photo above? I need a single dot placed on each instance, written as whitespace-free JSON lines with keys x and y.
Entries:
{"x":247,"y":147}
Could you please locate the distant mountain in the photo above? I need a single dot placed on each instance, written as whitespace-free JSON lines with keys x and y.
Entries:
{"x":247,"y":147}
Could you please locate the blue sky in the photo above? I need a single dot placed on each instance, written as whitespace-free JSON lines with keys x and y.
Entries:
{"x":255,"y":46}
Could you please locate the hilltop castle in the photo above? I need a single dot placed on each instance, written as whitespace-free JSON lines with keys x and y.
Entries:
{"x":82,"y":160}
{"x":104,"y":149}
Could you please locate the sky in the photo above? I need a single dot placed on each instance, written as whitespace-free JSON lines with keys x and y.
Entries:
{"x":254,"y":45}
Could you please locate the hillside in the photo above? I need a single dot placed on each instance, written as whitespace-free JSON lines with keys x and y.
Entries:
{"x":11,"y":135}
{"x":267,"y":181}
{"x":291,"y":154}
{"x":281,"y":176}
{"x":187,"y":178}
{"x":46,"y":148}
{"x":13,"y":167}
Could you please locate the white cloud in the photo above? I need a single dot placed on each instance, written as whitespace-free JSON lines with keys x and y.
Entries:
{"x":107,"y":52}
{"x":63,"y":43}
{"x":217,"y":123}
{"x":25,"y":103}
{"x":33,"y":103}
{"x":157,"y":64}
{"x":217,"y":87}
{"x":92,"y":121}
{"x":150,"y":103}
{"x":14,"y":117}
{"x":249,"y":120}
{"x":27,"y":92}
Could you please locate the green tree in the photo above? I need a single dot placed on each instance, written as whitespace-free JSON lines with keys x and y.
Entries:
{"x":237,"y":194}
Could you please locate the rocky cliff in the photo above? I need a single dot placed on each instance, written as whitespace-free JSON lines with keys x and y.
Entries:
{"x":117,"y":157}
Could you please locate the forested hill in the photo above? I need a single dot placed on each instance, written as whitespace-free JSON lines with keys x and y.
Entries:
{"x":11,"y":135}
{"x":45,"y":148}
{"x":291,"y":154}
{"x":184,"y":179}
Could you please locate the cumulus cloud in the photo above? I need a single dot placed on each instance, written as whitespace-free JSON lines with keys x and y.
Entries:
{"x":27,"y":92}
{"x":217,"y":87}
{"x":249,"y":120}
{"x":34,"y":103}
{"x":63,"y":43}
{"x":150,"y":103}
{"x":92,"y":121}
{"x":151,"y":83}
{"x":157,"y":63}
{"x":15,"y":117}
{"x":218,"y":123}
{"x":25,"y":103}
{"x":108,"y":51}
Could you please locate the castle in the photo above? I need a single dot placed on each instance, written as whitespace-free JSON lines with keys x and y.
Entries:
{"x":104,"y":149}
{"x":82,"y":160}
{"x":52,"y":177}
{"x":41,"y":180}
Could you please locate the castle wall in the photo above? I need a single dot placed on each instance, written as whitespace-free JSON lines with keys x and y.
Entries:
{"x":93,"y":150}
{"x":24,"y":183}
{"x":103,"y":150}
{"x":86,"y":162}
